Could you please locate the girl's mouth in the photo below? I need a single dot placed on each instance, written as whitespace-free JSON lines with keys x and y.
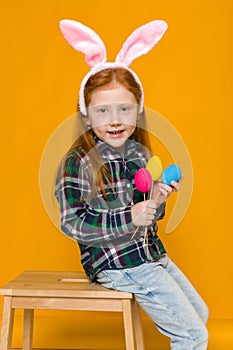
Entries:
{"x":116,"y":134}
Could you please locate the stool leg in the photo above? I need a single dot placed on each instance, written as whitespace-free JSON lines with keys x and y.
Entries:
{"x":7,"y":324}
{"x":28,"y":329}
{"x":137,"y":326}
{"x":128,"y":324}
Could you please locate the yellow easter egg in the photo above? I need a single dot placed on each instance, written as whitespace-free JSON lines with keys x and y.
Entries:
{"x":155,"y":167}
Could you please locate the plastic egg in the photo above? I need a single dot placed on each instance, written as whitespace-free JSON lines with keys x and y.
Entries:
{"x":171,"y":173}
{"x":143,"y":180}
{"x":154,"y":165}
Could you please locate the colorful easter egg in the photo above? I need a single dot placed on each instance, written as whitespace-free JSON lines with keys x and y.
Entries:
{"x":171,"y":173}
{"x":154,"y":165}
{"x":143,"y":180}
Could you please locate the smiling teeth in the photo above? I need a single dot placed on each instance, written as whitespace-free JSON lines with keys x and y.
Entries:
{"x":116,"y":132}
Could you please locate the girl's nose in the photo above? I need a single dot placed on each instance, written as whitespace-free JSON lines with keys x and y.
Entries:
{"x":114,"y":123}
{"x":115,"y":118}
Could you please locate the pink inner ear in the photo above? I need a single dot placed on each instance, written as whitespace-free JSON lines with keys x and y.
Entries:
{"x":141,"y":41}
{"x":85,"y":40}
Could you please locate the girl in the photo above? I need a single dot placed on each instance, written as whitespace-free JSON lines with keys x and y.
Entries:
{"x":101,"y":208}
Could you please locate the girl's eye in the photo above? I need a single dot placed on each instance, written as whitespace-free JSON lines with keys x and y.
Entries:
{"x":103,"y":110}
{"x":124,"y":109}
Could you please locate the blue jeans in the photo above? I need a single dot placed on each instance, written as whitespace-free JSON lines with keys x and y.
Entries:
{"x":167,"y":297}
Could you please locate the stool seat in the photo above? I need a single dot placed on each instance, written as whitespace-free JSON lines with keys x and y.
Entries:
{"x":59,"y":290}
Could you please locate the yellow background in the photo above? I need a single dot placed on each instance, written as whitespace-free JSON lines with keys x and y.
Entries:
{"x":187,"y":78}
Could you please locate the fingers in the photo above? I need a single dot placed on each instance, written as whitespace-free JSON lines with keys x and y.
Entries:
{"x":150,"y":210}
{"x":150,"y":204}
{"x":175,"y":186}
{"x":143,"y":213}
{"x":164,"y":190}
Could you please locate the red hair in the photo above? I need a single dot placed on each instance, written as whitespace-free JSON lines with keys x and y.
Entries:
{"x":107,"y":79}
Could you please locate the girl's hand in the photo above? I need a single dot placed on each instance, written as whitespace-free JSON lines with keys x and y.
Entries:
{"x":143,"y":213}
{"x":161,"y":191}
{"x":176,"y":185}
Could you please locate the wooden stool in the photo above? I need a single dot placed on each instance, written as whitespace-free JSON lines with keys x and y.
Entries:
{"x":52,"y":290}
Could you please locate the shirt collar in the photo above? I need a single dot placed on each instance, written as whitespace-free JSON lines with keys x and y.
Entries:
{"x":110,"y":152}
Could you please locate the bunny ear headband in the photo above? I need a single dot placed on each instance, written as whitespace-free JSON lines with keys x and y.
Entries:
{"x":85,"y":40}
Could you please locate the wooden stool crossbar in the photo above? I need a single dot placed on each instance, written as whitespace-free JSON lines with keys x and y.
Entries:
{"x":55,"y":290}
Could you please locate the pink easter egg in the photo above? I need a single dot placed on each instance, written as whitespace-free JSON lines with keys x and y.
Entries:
{"x":143,"y":180}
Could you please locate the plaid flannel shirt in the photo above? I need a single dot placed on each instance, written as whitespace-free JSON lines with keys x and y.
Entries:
{"x":102,"y":226}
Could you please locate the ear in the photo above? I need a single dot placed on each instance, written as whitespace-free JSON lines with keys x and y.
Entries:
{"x":141,"y":41}
{"x":85,"y":40}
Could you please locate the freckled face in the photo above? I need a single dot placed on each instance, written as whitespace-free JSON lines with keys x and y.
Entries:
{"x":112,"y":114}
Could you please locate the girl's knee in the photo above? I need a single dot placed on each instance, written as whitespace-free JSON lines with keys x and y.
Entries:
{"x":205,"y":313}
{"x":205,"y":333}
{"x":201,"y":336}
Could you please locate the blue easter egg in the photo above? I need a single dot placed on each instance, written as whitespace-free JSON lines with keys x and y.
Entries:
{"x":171,"y":173}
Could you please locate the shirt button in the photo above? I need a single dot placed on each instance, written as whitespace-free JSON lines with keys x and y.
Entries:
{"x":128,"y":185}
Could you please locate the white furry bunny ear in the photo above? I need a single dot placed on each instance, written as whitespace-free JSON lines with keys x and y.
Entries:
{"x":142,"y":40}
{"x":85,"y":40}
